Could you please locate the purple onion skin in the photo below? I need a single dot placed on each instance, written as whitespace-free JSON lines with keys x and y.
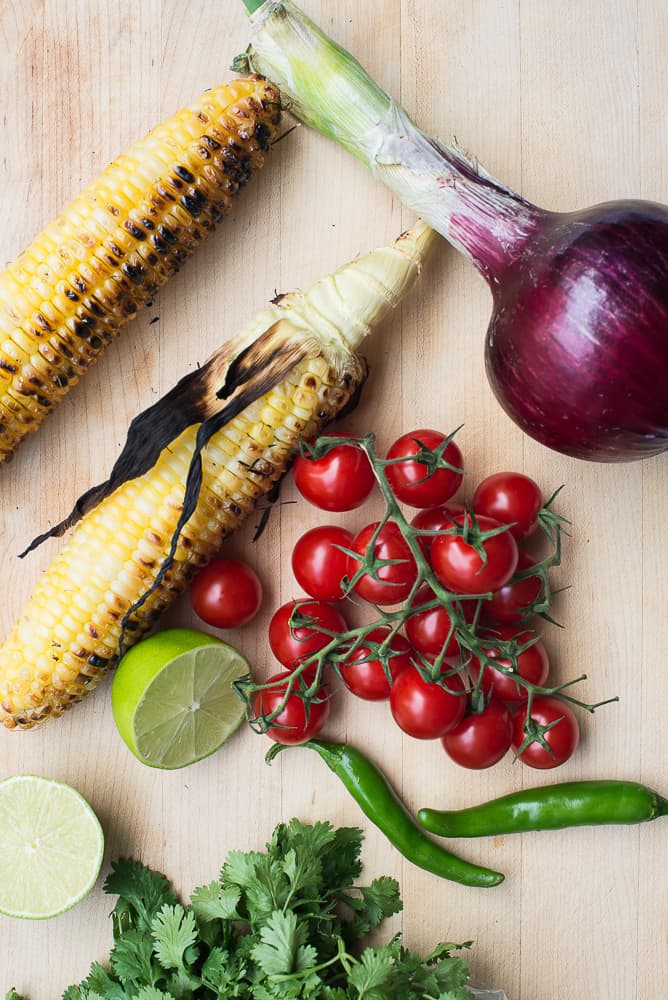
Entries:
{"x":577,"y":347}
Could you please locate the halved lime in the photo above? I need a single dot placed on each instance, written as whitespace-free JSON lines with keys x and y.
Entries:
{"x":51,"y":846}
{"x":172,"y":697}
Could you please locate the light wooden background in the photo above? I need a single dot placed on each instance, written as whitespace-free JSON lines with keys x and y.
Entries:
{"x":564,"y":100}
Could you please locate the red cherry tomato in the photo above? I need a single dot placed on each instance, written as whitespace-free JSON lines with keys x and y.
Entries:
{"x":394,"y":582}
{"x":318,"y":562}
{"x":294,"y":724}
{"x":365,"y":676}
{"x":290,"y":646}
{"x":533,"y":664}
{"x":407,"y":479}
{"x":509,"y":604}
{"x":340,"y":480}
{"x":461,"y":569}
{"x":426,"y":710}
{"x":510,"y":498}
{"x":429,"y":631}
{"x":481,"y":739}
{"x":562,"y":738}
{"x":435,"y":519}
{"x":226,"y":594}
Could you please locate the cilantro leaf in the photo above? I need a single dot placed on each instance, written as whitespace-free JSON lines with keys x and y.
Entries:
{"x":314,"y":838}
{"x":174,"y":931}
{"x":439,"y":975}
{"x":263,"y":882}
{"x":131,"y":960}
{"x":240,"y":867}
{"x":303,"y":871}
{"x":372,"y":973}
{"x":225,"y":973}
{"x":82,"y":993}
{"x":449,"y":970}
{"x":341,"y":863}
{"x":307,"y":956}
{"x":377,"y":901}
{"x":182,"y":986}
{"x":142,"y":893}
{"x":100,"y":983}
{"x":214,"y":969}
{"x":280,"y":939}
{"x":212,"y":901}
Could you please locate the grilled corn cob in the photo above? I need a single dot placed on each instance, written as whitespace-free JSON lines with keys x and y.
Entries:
{"x":65,"y":297}
{"x":192,"y":469}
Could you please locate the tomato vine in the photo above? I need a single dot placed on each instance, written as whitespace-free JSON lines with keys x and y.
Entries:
{"x":308,"y":674}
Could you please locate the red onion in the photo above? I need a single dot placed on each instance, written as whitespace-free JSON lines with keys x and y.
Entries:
{"x":577,"y":346}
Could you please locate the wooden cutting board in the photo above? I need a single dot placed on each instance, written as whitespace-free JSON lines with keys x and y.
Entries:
{"x":567,"y":103}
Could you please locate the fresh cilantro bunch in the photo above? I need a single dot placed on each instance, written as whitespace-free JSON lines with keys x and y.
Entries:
{"x":283,"y":924}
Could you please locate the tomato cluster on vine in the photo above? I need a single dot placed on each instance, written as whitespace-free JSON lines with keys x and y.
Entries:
{"x":451,"y":648}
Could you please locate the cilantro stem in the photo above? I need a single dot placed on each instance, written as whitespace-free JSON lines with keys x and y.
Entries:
{"x":341,"y":956}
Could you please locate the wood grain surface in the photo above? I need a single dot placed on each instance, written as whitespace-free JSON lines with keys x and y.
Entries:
{"x":564,"y":100}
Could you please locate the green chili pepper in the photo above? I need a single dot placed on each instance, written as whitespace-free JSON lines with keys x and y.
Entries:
{"x":551,"y":807}
{"x":381,"y":805}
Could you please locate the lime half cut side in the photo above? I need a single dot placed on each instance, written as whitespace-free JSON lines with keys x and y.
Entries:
{"x":51,"y":847}
{"x":173,"y":700}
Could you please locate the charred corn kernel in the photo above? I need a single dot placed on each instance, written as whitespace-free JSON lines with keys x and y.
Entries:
{"x":117,"y":556}
{"x":70,"y":292}
{"x":120,"y":537}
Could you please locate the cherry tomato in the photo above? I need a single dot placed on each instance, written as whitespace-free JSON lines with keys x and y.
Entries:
{"x":290,"y":646}
{"x":319,"y":564}
{"x":482,"y":738}
{"x":461,"y":569}
{"x":510,"y":498}
{"x":407,"y":479}
{"x":435,"y":519}
{"x":364,"y":676}
{"x":533,"y":664}
{"x":340,"y":480}
{"x":394,"y":582}
{"x":226,"y":594}
{"x":429,"y":631}
{"x":509,"y":603}
{"x":293,"y":724}
{"x":426,"y":710}
{"x":562,"y":738}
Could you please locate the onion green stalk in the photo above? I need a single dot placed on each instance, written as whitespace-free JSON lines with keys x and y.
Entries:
{"x":325,"y":87}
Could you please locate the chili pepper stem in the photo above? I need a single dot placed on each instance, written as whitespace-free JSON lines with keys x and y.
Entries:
{"x":273,"y":752}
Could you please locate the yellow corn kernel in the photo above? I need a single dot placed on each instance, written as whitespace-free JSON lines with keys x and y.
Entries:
{"x":90,"y":271}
